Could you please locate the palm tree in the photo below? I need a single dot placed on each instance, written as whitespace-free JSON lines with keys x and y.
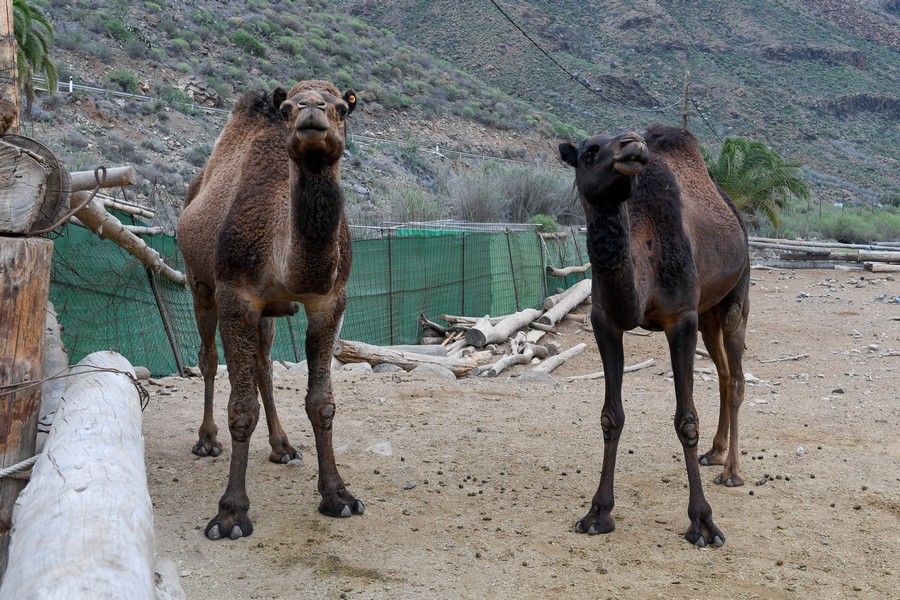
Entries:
{"x":756,"y":177}
{"x":34,"y":37}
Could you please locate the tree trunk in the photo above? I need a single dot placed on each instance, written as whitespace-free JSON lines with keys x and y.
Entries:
{"x":566,"y":271}
{"x":84,"y":181}
{"x":88,"y":494}
{"x":349,"y":352}
{"x":24,"y":285}
{"x":553,"y":362}
{"x":574,"y":296}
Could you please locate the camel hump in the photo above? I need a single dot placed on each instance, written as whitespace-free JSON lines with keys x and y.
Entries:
{"x":258,"y":102}
{"x":662,"y":138}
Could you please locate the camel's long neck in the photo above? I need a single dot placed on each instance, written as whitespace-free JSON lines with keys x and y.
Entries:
{"x":317,"y":203}
{"x":609,"y":247}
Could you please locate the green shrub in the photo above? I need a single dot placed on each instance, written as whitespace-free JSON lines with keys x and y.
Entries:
{"x":126,"y":80}
{"x":546,"y":223}
{"x":180,"y":46}
{"x":116,"y":29}
{"x":246,"y":41}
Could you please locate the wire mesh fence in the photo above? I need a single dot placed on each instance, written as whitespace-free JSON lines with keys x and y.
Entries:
{"x":106,"y":299}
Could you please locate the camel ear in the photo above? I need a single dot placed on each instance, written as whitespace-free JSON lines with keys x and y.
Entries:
{"x":278,"y":96}
{"x":568,"y":153}
{"x":350,"y":99}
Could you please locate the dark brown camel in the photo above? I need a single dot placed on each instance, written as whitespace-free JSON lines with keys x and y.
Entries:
{"x":669,"y":253}
{"x":264,"y":228}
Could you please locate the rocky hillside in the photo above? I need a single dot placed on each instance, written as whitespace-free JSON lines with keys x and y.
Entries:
{"x":816,"y":81}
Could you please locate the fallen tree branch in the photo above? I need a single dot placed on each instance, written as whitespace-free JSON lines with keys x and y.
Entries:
{"x":787,"y":358}
{"x":566,"y":271}
{"x":599,"y":374}
{"x":877,"y":267}
{"x":530,"y":352}
{"x":83,"y":181}
{"x":352,"y":352}
{"x":426,"y":324}
{"x":484,"y":332}
{"x":553,"y":362}
{"x":574,"y":296}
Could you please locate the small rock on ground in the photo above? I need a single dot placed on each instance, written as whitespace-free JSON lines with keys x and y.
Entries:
{"x":386,"y":368}
{"x":433,"y":372}
{"x":537,"y":377}
{"x":359,"y":368}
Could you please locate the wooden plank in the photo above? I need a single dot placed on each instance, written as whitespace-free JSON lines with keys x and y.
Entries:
{"x":24,"y":285}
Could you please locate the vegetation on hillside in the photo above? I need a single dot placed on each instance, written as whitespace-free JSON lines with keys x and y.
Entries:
{"x":34,"y":39}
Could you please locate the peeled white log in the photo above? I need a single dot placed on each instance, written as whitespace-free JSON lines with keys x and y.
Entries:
{"x":138,"y":211}
{"x":574,"y":296}
{"x":530,"y":352}
{"x":434,"y":350}
{"x":877,"y":267}
{"x":553,"y":362}
{"x":600,"y":374}
{"x":349,"y":352}
{"x":466,"y":322}
{"x":135,"y":229}
{"x":485,"y":333}
{"x":822,"y":244}
{"x":83,"y":527}
{"x":566,"y":271}
{"x":83,"y":181}
{"x":105,"y":225}
{"x":551,"y":301}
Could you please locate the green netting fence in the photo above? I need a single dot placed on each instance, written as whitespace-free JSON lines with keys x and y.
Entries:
{"x":106,"y":299}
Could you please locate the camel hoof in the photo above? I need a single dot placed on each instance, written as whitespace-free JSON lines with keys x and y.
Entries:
{"x":341,"y":506}
{"x":703,"y":532}
{"x":700,"y":543}
{"x":207,"y":448}
{"x":230,"y":526}
{"x":718,"y":542}
{"x":711,"y":458}
{"x":284,"y":455}
{"x":732,"y":481}
{"x":593,"y":524}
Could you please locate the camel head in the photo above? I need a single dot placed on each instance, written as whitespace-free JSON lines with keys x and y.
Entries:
{"x":605,"y":167}
{"x":315,"y":114}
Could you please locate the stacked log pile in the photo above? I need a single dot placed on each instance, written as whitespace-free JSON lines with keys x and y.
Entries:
{"x":803,"y":254}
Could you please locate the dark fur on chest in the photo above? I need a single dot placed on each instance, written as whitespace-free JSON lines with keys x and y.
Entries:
{"x":318,"y":203}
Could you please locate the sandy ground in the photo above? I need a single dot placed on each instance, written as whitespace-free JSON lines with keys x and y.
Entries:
{"x":500,"y":471}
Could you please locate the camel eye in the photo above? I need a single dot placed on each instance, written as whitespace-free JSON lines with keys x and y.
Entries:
{"x":590,"y":154}
{"x":342,"y":111}
{"x":285,"y":110}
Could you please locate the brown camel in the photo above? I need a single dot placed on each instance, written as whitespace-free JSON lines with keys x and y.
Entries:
{"x":263,"y":229}
{"x":669,"y":253}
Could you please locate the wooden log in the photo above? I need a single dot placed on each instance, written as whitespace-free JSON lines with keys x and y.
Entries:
{"x":466,"y":322}
{"x":877,"y":267}
{"x":83,"y":181}
{"x":135,"y":229}
{"x":485,"y":333}
{"x":530,"y":352}
{"x":9,"y":92}
{"x":433,"y":350}
{"x":551,"y":301}
{"x":107,"y":226}
{"x":555,"y":361}
{"x":24,"y":286}
{"x":431,"y":341}
{"x":137,"y":211}
{"x":88,"y":492}
{"x":600,"y":374}
{"x":24,"y":185}
{"x":817,"y":252}
{"x":797,"y":265}
{"x":566,"y":271}
{"x":375,"y":355}
{"x":824,"y":244}
{"x":574,"y":296}
{"x":426,"y":324}
{"x":555,"y":235}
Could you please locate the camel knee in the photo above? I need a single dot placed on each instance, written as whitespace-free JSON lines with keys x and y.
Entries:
{"x":242,"y":419}
{"x":736,"y":390}
{"x":321,"y":413}
{"x":688,"y":429}
{"x":612,"y":422}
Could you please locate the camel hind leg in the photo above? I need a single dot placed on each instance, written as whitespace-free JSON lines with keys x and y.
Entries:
{"x":734,"y":350}
{"x":282,"y":451}
{"x":711,"y":330}
{"x":207,"y":317}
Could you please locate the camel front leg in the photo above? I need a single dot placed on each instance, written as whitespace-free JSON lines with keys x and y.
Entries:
{"x":324,"y":322}
{"x":612,"y":419}
{"x":682,"y":338}
{"x":239,"y":326}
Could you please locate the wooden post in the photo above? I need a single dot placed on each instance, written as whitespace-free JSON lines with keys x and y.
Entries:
{"x":685,"y":111}
{"x":462,"y":301}
{"x":390,"y":276}
{"x":10,"y":82}
{"x":167,"y":323}
{"x":512,"y":270}
{"x":24,"y":285}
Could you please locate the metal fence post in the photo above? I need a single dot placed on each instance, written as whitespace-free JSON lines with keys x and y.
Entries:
{"x":167,"y":323}
{"x":512,"y":270}
{"x":462,"y":301}
{"x":390,"y":274}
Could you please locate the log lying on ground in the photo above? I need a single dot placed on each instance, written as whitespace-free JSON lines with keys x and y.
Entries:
{"x":530,"y":352}
{"x":466,"y":322}
{"x":574,"y":296}
{"x":551,"y":301}
{"x":787,"y":265}
{"x":432,"y":350}
{"x":350,"y":352}
{"x":599,"y":374}
{"x":83,"y":527}
{"x":484,"y":332}
{"x":832,"y":254}
{"x":83,"y":181}
{"x":105,"y":225}
{"x":877,"y":267}
{"x":553,"y":362}
{"x":753,"y":241}
{"x":425,"y":323}
{"x":566,"y":271}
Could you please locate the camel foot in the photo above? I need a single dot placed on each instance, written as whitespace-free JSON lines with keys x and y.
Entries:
{"x":341,"y":504}
{"x":713,"y":457}
{"x":595,"y":523}
{"x":229,"y":525}
{"x":207,"y":446}
{"x":283,"y":453}
{"x":703,"y":532}
{"x":734,"y":480}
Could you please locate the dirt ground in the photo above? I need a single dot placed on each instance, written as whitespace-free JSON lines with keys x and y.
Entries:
{"x":472,"y":487}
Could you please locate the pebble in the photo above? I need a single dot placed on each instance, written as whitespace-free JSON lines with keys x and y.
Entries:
{"x":800,"y":451}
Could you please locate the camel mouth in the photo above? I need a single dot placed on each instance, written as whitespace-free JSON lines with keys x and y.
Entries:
{"x":631,"y":166}
{"x":313,"y":127}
